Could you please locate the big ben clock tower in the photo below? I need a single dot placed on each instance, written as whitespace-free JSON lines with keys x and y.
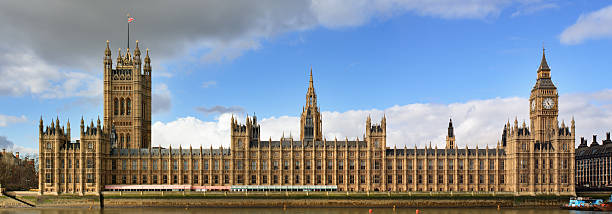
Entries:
{"x":544,"y":104}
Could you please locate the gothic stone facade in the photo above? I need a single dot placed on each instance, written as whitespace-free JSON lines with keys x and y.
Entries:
{"x":529,"y":160}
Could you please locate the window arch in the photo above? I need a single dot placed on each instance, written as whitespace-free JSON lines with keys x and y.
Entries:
{"x":128,"y":106}
{"x":116,"y":106}
{"x":122,"y":106}
{"x":127,"y":141}
{"x":121,"y":140}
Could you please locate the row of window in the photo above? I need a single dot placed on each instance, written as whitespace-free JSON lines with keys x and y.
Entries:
{"x":90,"y":178}
{"x":541,"y":179}
{"x":124,"y":140}
{"x":239,"y":165}
{"x":524,"y":163}
{"x":49,"y":146}
{"x":350,"y":179}
{"x":240,"y":154}
{"x":122,"y":106}
{"x":89,"y":161}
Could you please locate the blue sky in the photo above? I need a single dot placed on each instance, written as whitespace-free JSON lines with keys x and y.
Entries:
{"x":398,"y":57}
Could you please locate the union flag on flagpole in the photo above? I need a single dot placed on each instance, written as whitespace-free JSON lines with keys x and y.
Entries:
{"x":130,"y":19}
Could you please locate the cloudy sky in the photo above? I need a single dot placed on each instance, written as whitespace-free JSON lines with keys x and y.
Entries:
{"x":417,"y":61}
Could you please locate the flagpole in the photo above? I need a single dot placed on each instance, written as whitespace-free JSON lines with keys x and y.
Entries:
{"x":128,"y":39}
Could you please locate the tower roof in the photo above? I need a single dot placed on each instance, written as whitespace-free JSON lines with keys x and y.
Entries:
{"x":543,"y":63}
{"x":544,"y":79}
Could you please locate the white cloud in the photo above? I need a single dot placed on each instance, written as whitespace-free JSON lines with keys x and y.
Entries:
{"x":191,"y":131}
{"x":477,"y":122}
{"x":25,"y":72}
{"x":533,"y":8}
{"x":346,"y":13}
{"x":593,"y":25}
{"x":5,"y":120}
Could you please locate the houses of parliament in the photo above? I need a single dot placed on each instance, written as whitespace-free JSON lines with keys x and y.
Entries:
{"x":116,"y":154}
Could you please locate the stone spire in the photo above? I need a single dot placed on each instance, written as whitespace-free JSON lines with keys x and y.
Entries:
{"x":451,"y":131}
{"x":119,"y":61}
{"x":107,"y":51}
{"x":147,"y":65}
{"x":311,"y":85}
{"x":137,"y":55}
{"x":543,"y":63}
{"x":82,"y":125}
{"x":40,"y":125}
{"x":311,"y":96}
{"x":543,"y":69}
{"x":108,"y":60}
{"x":137,"y":49}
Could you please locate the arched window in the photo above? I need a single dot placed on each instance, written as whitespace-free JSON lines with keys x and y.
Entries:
{"x":122,"y":106}
{"x":128,"y":106}
{"x":127,"y":141}
{"x":121,"y":140}
{"x":144,"y":109}
{"x":116,"y":106}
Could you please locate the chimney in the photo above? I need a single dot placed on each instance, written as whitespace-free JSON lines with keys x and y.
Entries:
{"x":594,"y":138}
{"x":3,"y":151}
{"x":607,"y":136}
{"x":17,"y":155}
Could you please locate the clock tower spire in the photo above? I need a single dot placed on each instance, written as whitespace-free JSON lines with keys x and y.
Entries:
{"x":544,"y":106}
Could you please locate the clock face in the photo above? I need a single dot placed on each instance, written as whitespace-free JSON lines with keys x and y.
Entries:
{"x":548,"y":103}
{"x":533,"y":105}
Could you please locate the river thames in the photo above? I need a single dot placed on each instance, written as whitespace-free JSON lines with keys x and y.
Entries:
{"x":291,"y":210}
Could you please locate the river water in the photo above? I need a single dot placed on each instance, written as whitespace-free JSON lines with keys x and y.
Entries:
{"x":288,"y":210}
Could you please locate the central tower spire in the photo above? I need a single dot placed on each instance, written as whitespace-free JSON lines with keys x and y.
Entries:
{"x":450,"y":137}
{"x":310,"y":122}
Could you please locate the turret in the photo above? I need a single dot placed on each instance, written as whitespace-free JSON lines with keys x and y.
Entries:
{"x":383,"y":123}
{"x":147,"y":65}
{"x":119,"y":61}
{"x":68,"y":128}
{"x":40,"y":126}
{"x":57,"y":123}
{"x":82,"y":126}
{"x":368,"y":124}
{"x":99,"y":126}
{"x":108,"y":61}
{"x":137,"y":52}
{"x":136,"y":58}
{"x":128,"y":56}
